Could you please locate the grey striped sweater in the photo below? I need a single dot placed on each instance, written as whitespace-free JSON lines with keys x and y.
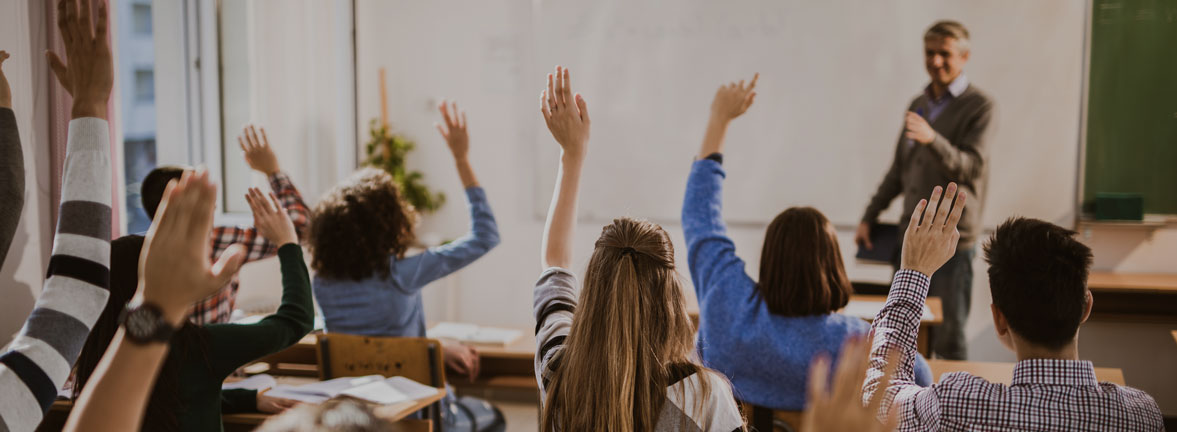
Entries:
{"x":37,"y":363}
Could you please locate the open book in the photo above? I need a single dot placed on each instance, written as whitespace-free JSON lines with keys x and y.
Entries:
{"x":473,"y":334}
{"x":371,"y":388}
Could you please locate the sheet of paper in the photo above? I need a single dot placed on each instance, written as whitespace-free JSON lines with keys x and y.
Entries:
{"x":379,"y":392}
{"x":474,"y":334}
{"x":257,"y":382}
{"x":412,"y":389}
{"x":868,"y":310}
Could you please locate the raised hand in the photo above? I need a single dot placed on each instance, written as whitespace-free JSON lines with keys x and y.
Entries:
{"x":258,"y":153}
{"x":842,"y":409}
{"x":454,"y":129}
{"x":918,"y":129}
{"x":5,"y":90}
{"x":565,"y":114}
{"x":733,"y":99}
{"x":88,"y":72}
{"x":174,"y":270}
{"x":930,"y":243}
{"x":270,"y":218}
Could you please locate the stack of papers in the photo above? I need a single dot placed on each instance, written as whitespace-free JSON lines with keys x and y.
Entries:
{"x":474,"y":334}
{"x":372,"y":388}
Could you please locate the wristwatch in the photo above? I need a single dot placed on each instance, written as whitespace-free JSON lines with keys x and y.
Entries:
{"x":145,"y":324}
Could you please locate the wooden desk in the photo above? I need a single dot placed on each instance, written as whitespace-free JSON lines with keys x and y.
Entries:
{"x":507,"y":367}
{"x":999,"y":372}
{"x":1133,"y":296}
{"x":396,"y":413}
{"x":300,"y":359}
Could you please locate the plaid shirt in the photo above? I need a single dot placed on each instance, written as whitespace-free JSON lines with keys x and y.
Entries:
{"x":218,"y":307}
{"x":1045,"y":395}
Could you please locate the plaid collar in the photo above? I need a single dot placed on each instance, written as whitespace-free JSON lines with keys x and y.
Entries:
{"x":1076,"y":373}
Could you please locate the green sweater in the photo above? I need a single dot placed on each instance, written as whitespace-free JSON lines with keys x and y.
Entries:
{"x":231,"y":346}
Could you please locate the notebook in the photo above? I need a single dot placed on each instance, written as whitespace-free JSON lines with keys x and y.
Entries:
{"x":372,"y":388}
{"x":885,"y":241}
{"x":474,"y":334}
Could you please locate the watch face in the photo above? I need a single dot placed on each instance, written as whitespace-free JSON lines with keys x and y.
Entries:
{"x":141,"y":322}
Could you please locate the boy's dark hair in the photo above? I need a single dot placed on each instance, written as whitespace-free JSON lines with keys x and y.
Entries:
{"x":1038,"y":279}
{"x":801,"y":271}
{"x":151,"y":190}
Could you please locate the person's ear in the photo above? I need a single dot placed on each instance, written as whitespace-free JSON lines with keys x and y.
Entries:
{"x":965,"y":55}
{"x":1087,"y":306}
{"x":999,"y":322}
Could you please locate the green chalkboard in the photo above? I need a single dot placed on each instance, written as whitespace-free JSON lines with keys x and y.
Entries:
{"x":1132,"y":102}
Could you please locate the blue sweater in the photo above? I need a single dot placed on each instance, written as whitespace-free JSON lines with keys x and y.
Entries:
{"x":392,"y":306}
{"x":766,"y":356}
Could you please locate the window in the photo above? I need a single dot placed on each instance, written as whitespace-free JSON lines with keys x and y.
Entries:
{"x":145,"y":85}
{"x":141,"y":19}
{"x":136,"y":68}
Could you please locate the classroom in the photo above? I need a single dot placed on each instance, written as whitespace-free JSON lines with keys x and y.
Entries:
{"x":652,"y":215}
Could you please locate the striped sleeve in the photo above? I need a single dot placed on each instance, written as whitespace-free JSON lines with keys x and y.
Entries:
{"x":37,"y":363}
{"x":555,"y":303}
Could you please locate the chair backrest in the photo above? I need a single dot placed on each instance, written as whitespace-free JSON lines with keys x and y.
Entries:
{"x":418,"y":359}
{"x":763,"y":419}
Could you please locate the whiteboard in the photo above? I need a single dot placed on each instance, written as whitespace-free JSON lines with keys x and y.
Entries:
{"x":835,"y":79}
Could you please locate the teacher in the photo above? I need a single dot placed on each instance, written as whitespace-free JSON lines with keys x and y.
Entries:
{"x":943,"y":141}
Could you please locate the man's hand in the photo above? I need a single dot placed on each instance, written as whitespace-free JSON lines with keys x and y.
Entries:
{"x":462,"y":359}
{"x":5,"y":90}
{"x":841,"y":409}
{"x":174,"y":270}
{"x":454,"y":130}
{"x":89,"y":74}
{"x":862,"y":236}
{"x":918,"y":129}
{"x":273,"y":405}
{"x":270,"y":218}
{"x":565,"y":114}
{"x":733,"y":99}
{"x":929,"y":244}
{"x":258,"y":153}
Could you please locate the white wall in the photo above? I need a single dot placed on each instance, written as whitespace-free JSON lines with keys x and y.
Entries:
{"x":497,"y":289}
{"x":22,"y":30}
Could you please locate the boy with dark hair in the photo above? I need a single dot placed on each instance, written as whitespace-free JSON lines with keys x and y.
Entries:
{"x":260,"y":156}
{"x":1038,"y":277}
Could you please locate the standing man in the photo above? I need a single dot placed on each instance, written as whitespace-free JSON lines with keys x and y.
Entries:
{"x":943,"y":141}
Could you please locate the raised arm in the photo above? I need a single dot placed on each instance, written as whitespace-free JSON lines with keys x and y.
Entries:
{"x":567,"y":118}
{"x":927,"y":245}
{"x":841,"y":407}
{"x":416,"y":271}
{"x":12,"y":166}
{"x":233,"y":345}
{"x":37,"y":362}
{"x":711,"y":255}
{"x":173,"y":273}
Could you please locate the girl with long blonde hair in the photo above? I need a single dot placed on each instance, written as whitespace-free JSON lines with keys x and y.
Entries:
{"x":618,"y":355}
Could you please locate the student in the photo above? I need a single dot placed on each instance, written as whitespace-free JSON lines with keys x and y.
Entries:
{"x":218,"y":307}
{"x":36,"y":364}
{"x":1038,"y":278}
{"x":616,"y":356}
{"x":763,"y":334}
{"x":12,"y":166}
{"x":174,"y":274}
{"x":364,"y":283}
{"x":187,"y":394}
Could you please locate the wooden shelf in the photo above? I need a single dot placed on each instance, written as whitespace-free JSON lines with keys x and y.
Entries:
{"x":1150,"y":222}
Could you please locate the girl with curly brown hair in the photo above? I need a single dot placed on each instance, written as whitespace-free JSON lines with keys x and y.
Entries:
{"x":359,"y":233}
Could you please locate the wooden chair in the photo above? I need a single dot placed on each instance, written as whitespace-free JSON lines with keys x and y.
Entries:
{"x":761,"y":419}
{"x":418,"y":359}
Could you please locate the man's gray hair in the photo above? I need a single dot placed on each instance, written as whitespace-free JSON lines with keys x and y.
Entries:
{"x":949,"y":29}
